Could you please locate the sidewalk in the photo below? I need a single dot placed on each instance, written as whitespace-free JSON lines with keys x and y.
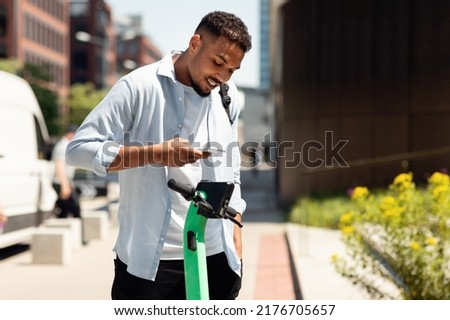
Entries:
{"x":281,"y":261}
{"x":311,"y":250}
{"x":90,"y":272}
{"x":287,"y":261}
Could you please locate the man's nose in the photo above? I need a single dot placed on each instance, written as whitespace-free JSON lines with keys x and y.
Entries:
{"x":223,"y":76}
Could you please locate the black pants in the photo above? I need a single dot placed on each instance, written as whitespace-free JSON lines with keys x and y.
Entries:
{"x":69,"y":206}
{"x":224,"y":283}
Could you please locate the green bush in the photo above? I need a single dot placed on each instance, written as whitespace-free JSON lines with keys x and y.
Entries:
{"x":319,"y":211}
{"x":402,"y":237}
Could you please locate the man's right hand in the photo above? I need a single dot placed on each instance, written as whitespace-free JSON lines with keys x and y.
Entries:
{"x":177,"y":152}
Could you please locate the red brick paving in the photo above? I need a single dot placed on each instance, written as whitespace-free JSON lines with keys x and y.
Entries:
{"x":274,"y":277}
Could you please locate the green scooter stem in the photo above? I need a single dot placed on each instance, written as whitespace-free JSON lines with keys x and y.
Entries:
{"x":195,"y":269}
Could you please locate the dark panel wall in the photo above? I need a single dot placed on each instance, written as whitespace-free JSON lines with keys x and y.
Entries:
{"x":374,"y":72}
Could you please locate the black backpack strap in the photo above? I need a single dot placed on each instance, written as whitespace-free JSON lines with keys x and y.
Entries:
{"x":226,"y":100}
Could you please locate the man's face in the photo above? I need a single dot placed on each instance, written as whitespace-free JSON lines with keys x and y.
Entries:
{"x":213,"y":62}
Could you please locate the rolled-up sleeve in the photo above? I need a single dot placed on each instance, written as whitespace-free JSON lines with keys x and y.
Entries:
{"x":92,"y":155}
{"x":97,"y":142}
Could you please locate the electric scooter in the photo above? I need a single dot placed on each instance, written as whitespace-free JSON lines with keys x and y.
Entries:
{"x":208,"y":201}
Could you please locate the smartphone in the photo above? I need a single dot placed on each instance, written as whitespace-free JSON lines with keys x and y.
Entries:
{"x":212,"y":151}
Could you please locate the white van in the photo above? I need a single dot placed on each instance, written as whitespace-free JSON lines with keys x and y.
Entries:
{"x":26,"y":193}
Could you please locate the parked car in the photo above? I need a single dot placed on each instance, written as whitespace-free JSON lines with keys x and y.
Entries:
{"x":26,"y":193}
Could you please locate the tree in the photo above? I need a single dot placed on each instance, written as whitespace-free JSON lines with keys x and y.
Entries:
{"x":38,"y":77}
{"x":83,"y":97}
{"x":10,"y":65}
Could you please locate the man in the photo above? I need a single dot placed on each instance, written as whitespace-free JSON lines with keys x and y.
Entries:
{"x":151,"y":127}
{"x":67,"y":203}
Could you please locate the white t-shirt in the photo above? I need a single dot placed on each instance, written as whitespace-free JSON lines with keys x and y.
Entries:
{"x":194,"y":129}
{"x":59,"y":154}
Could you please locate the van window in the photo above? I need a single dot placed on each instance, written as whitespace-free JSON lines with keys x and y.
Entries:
{"x":41,"y":143}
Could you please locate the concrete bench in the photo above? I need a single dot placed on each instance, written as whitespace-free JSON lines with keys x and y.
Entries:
{"x":95,"y":224}
{"x":72,"y":224}
{"x":51,"y":246}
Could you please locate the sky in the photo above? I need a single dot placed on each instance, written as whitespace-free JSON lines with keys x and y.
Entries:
{"x":171,"y":23}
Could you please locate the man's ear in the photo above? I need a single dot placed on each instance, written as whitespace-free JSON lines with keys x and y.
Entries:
{"x":195,"y":43}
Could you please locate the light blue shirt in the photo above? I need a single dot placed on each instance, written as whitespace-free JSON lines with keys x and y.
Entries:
{"x":146,"y":107}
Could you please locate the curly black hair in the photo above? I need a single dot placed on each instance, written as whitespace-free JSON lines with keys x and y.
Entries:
{"x":220,"y":23}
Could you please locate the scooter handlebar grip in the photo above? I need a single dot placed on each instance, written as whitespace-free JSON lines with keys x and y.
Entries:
{"x":186,"y":191}
{"x":231,"y":212}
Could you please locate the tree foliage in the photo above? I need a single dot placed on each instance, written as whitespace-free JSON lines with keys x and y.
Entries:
{"x":38,"y":76}
{"x":83,"y":97}
{"x":10,"y":65}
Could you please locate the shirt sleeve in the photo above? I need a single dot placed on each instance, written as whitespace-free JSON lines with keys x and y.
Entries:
{"x":99,"y":138}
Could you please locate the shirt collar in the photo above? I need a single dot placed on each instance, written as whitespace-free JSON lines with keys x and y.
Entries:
{"x":166,"y":67}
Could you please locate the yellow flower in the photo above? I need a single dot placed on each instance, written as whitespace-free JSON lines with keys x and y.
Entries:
{"x":414,"y":245}
{"x":346,"y":217}
{"x":440,"y":190}
{"x":439,"y":178}
{"x":393,"y":212}
{"x":403,"y":181}
{"x":431,"y":241}
{"x":402,"y":178}
{"x":348,"y":230}
{"x":334,"y":257}
{"x":388,"y":202}
{"x":360,"y":193}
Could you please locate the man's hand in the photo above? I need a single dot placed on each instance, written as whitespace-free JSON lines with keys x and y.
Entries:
{"x":60,"y":171}
{"x":66,"y":191}
{"x":177,"y":152}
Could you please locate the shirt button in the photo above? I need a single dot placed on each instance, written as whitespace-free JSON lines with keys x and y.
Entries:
{"x":180,"y":126}
{"x":180,"y":98}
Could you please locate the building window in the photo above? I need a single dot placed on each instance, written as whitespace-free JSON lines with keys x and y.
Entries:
{"x":133,"y":48}
{"x":79,"y":9}
{"x":3,"y":51}
{"x":80,"y":60}
{"x":3,"y":21}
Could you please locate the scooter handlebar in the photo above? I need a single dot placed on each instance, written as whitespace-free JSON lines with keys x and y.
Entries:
{"x":231,"y":212}
{"x":186,"y":191}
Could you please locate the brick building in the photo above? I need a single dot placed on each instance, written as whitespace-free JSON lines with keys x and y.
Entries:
{"x":37,"y":31}
{"x":93,"y":43}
